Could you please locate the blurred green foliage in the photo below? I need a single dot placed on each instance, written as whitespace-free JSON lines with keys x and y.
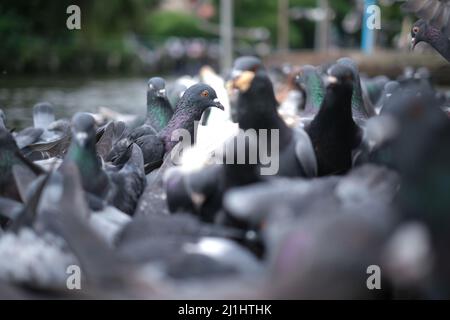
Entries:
{"x":161,"y":24}
{"x":34,"y":36}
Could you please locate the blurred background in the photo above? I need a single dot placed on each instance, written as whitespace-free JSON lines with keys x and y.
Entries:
{"x":123,"y":42}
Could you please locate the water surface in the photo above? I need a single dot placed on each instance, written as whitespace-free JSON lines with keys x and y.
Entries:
{"x":18,"y":95}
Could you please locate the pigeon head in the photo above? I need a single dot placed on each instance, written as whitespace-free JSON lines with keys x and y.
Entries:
{"x":418,"y":32}
{"x":310,"y":83}
{"x":243,"y":72}
{"x":340,"y":77}
{"x":307,"y":77}
{"x":44,"y":107}
{"x":201,"y":96}
{"x":247,"y":63}
{"x":83,"y":128}
{"x":305,"y":73}
{"x":43,"y":115}
{"x":390,"y":87}
{"x":156,"y":86}
{"x":349,"y":63}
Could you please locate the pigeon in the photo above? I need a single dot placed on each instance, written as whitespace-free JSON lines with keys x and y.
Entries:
{"x":342,"y":249}
{"x":174,"y":242}
{"x":43,"y":116}
{"x":120,"y":187}
{"x":362,"y":107}
{"x":35,"y":261}
{"x":47,"y":138}
{"x":291,"y":97}
{"x":433,"y":26}
{"x":216,"y":126}
{"x":285,"y":211}
{"x":208,"y":76}
{"x":414,"y":149}
{"x":374,"y":88}
{"x":159,"y":110}
{"x":319,"y":196}
{"x":249,"y":63}
{"x":111,"y":133}
{"x":69,"y":218}
{"x":11,"y":157}
{"x":169,"y":239}
{"x":128,"y":183}
{"x":333,"y":132}
{"x":83,"y":153}
{"x":188,"y":112}
{"x":9,"y":208}
{"x":200,"y":192}
{"x":153,"y":200}
{"x":388,"y":90}
{"x":311,"y":82}
{"x":257,"y":112}
{"x":176,"y":89}
{"x":405,"y":100}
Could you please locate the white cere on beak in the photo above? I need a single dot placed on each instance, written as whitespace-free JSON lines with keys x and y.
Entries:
{"x":162,"y":92}
{"x":216,"y":100}
{"x":332,"y":80}
{"x":81,"y":136}
{"x":235,"y":73}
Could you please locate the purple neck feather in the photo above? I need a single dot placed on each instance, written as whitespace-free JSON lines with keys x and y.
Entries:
{"x":438,"y":41}
{"x":184,"y":118}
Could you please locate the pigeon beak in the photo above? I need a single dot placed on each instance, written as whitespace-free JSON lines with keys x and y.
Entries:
{"x":413,"y":43}
{"x":330,"y":80}
{"x":81,"y":138}
{"x":229,"y":87}
{"x":217,"y":104}
{"x":234,"y":74}
{"x":161,"y":93}
{"x":241,"y":80}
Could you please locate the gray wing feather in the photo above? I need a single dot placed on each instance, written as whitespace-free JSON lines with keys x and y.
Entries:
{"x":305,"y":152}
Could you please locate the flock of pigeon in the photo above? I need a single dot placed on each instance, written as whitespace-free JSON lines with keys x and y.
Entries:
{"x":362,"y":183}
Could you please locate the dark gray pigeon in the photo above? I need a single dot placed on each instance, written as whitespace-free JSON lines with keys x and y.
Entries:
{"x":433,"y":26}
{"x":188,"y":112}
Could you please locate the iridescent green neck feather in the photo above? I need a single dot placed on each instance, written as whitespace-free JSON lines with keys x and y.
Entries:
{"x":159,"y":112}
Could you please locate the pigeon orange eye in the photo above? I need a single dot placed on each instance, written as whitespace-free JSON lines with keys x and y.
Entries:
{"x":416,"y":29}
{"x":205,"y":93}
